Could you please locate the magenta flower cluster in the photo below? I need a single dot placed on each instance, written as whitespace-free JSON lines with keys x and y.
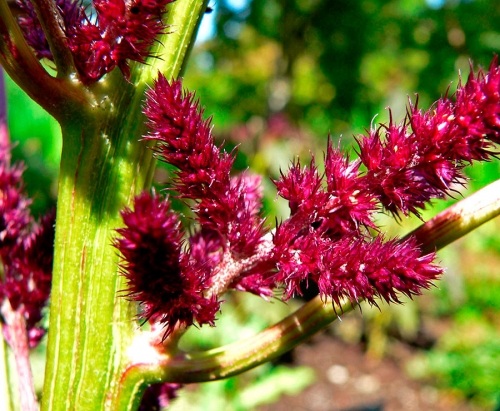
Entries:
{"x":111,"y":34}
{"x":26,"y":249}
{"x":422,"y":158}
{"x":330,"y":238}
{"x":151,"y":246}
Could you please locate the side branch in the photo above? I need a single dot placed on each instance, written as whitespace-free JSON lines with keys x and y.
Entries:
{"x":269,"y":344}
{"x":52,"y":23}
{"x":149,"y":365}
{"x":172,"y":48}
{"x":16,"y":57}
{"x":459,"y":219}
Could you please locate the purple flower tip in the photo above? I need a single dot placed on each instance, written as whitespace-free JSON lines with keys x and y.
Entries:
{"x":159,"y":274}
{"x":159,"y":396}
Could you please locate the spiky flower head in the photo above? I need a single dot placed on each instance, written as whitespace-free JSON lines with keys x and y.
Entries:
{"x":331,"y":238}
{"x":223,"y":204}
{"x":422,"y":158}
{"x":160,"y":275}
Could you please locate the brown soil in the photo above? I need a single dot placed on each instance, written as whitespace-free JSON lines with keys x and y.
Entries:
{"x":348,"y":380}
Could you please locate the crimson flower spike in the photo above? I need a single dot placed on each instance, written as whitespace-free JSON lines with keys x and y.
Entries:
{"x":331,"y":237}
{"x":26,"y":249}
{"x":423,"y":157}
{"x":160,"y":275}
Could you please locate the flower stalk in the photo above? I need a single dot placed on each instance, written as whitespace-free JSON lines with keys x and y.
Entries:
{"x":149,"y":364}
{"x":58,"y":96}
{"x":459,"y":219}
{"x":7,"y":386}
{"x":52,"y":24}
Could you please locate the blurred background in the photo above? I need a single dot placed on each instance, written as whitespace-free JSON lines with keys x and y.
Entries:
{"x":278,"y":77}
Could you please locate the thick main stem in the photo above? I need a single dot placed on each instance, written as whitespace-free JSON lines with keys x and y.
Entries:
{"x":103,"y":166}
{"x":89,"y":324}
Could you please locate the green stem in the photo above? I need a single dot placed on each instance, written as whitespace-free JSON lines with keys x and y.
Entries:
{"x":103,"y":166}
{"x":459,"y":219}
{"x":52,"y":23}
{"x":172,"y":49}
{"x":148,"y":364}
{"x":88,"y":324}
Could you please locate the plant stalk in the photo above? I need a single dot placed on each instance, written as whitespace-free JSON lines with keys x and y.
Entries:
{"x":103,"y":165}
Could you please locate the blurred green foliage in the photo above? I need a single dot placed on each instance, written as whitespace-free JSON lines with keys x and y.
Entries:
{"x":466,"y":311}
{"x":37,"y":142}
{"x":332,"y":66}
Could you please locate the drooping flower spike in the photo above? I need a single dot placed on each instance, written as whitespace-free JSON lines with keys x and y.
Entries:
{"x":226,"y":205}
{"x":160,"y":274}
{"x":329,"y":237}
{"x":26,"y":249}
{"x":422,"y":158}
